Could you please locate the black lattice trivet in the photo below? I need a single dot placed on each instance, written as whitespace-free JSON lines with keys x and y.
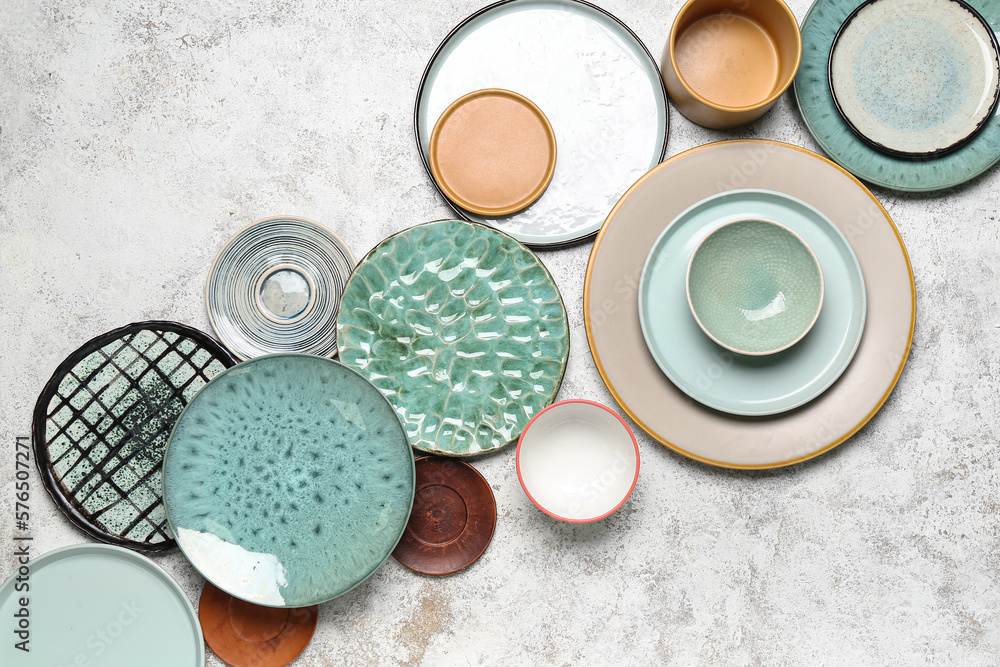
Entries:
{"x":102,"y":423}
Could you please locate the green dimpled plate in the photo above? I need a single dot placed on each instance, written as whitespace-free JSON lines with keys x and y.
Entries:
{"x":288,"y":480}
{"x":755,"y":286}
{"x":462,"y":328}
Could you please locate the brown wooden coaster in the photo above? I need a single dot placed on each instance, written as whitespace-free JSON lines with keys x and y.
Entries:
{"x":242,"y":634}
{"x":452,"y":521}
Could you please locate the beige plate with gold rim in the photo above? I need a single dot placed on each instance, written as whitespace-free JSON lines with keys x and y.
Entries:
{"x":493,"y":152}
{"x":611,"y":307}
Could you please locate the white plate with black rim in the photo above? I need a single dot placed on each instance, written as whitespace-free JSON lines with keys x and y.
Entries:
{"x":593,"y":79}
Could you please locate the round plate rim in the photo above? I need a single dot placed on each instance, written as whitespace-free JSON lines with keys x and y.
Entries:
{"x":139,"y":559}
{"x":239,"y":232}
{"x":924,"y":155}
{"x":469,"y":19}
{"x":726,"y":464}
{"x":493,"y":528}
{"x":240,"y":366}
{"x":635,"y":478}
{"x":39,"y":417}
{"x":822,"y":139}
{"x":856,"y":266}
{"x":565,"y":364}
{"x":549,"y":135}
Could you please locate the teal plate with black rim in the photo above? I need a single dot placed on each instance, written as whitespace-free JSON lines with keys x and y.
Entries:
{"x":462,"y":328}
{"x":288,"y":480}
{"x":844,"y":146}
{"x":734,"y":383}
{"x":98,"y":604}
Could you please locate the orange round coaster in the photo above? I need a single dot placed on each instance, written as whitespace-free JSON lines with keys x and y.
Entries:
{"x":493,"y":152}
{"x":248,"y":635}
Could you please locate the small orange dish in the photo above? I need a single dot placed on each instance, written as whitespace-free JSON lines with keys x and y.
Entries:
{"x":493,"y":152}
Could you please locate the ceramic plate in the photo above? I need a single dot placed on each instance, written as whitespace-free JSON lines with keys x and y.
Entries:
{"x":915,"y":77}
{"x":288,"y":480}
{"x":102,"y":422}
{"x":454,"y":514}
{"x":611,"y":306}
{"x":242,"y":634}
{"x":493,"y":152}
{"x":97,"y":604}
{"x":832,"y":133}
{"x":276,"y":286}
{"x":734,"y":383}
{"x":591,"y":76}
{"x":462,"y":328}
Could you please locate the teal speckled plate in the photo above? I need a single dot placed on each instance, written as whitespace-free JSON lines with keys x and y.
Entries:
{"x":288,"y":480}
{"x":100,"y":605}
{"x":816,"y":103}
{"x":732,"y":383}
{"x":462,"y":328}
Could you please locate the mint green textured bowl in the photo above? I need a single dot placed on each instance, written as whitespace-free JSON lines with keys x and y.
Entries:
{"x":754,"y":286}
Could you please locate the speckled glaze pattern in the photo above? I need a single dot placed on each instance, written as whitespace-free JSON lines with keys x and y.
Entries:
{"x":102,"y":423}
{"x":288,"y":480}
{"x":462,"y":328}
{"x":597,"y":84}
{"x":916,"y":77}
{"x":844,"y":146}
{"x":754,"y":286}
{"x":275,"y":287}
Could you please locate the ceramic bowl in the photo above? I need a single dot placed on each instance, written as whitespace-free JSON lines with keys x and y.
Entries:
{"x":577,"y":461}
{"x":754,"y":286}
{"x":727,"y":62}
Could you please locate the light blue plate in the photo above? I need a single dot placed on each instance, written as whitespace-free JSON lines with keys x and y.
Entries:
{"x":97,"y":604}
{"x":732,"y":383}
{"x":827,"y":126}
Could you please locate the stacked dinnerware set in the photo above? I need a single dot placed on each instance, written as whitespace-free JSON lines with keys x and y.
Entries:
{"x":748,"y":304}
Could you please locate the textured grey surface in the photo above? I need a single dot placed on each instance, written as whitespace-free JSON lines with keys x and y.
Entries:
{"x":135,"y":138}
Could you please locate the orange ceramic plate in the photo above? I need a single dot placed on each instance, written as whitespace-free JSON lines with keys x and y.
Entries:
{"x":493,"y":152}
{"x":248,"y":635}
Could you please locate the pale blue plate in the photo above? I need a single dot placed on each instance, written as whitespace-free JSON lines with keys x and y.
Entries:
{"x":827,"y":126}
{"x":99,"y":605}
{"x":733,"y":383}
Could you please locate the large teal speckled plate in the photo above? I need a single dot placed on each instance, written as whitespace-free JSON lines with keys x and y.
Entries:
{"x":462,"y":328}
{"x":288,"y":480}
{"x":816,"y":103}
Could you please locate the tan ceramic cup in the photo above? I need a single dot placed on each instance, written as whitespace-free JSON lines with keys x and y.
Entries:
{"x":728,"y":61}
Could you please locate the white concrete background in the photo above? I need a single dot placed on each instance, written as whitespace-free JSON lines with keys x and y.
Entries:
{"x":137,"y":136}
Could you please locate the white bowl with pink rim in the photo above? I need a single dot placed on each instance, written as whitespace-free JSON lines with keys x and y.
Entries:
{"x":577,"y":461}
